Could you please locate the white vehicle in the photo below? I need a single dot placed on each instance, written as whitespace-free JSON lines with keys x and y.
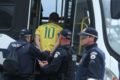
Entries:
{"x":103,"y":15}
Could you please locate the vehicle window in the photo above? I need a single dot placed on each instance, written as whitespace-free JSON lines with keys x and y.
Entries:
{"x":6,"y":14}
{"x":54,"y":6}
{"x":112,"y":27}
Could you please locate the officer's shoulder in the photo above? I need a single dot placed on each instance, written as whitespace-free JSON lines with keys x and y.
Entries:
{"x":60,"y":52}
{"x":60,"y":49}
{"x":57,"y":53}
{"x":15,"y":43}
{"x":30,"y":45}
{"x":93,"y":54}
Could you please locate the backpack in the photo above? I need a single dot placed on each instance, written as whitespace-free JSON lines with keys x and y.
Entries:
{"x":11,"y":63}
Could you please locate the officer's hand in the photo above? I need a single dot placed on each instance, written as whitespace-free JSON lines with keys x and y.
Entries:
{"x":42,"y":63}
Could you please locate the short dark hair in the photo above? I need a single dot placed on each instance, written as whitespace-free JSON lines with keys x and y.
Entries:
{"x":54,"y":17}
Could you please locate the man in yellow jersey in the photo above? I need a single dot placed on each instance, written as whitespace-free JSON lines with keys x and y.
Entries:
{"x":46,"y":35}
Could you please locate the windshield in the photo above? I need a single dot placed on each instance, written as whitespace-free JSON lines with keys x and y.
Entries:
{"x":112,"y":27}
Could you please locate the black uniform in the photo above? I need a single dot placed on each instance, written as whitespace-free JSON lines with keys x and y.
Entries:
{"x":92,"y":64}
{"x":26,"y":56}
{"x":57,"y":69}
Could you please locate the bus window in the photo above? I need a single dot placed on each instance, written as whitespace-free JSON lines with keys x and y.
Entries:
{"x":41,"y":9}
{"x":36,"y":13}
{"x":115,"y":9}
{"x":6,"y":14}
{"x":112,"y":28}
{"x":54,"y":6}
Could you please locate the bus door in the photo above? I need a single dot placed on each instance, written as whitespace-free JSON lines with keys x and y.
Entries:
{"x":83,"y":17}
{"x":11,"y":20}
{"x":111,"y":29}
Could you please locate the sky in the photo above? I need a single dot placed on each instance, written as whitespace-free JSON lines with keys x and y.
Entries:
{"x":50,"y":6}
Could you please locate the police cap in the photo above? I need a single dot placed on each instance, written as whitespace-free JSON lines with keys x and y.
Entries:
{"x":89,"y":32}
{"x":24,"y":32}
{"x":66,"y":33}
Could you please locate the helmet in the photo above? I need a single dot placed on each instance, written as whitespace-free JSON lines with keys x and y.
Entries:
{"x":24,"y":32}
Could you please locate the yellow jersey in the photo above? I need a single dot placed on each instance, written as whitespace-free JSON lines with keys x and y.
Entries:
{"x":48,"y":34}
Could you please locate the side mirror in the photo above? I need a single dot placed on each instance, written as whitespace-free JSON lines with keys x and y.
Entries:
{"x":115,"y":9}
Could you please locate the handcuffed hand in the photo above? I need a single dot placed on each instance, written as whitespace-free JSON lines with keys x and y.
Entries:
{"x":42,"y":63}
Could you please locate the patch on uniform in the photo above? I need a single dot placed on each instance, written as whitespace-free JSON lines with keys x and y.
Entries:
{"x":93,"y":55}
{"x":56,"y":54}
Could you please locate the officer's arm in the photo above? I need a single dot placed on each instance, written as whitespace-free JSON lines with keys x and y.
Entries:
{"x":9,"y":47}
{"x":94,"y":65}
{"x":54,"y":66}
{"x":35,"y":53}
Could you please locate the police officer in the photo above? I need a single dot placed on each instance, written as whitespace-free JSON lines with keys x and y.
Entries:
{"x":26,"y":56}
{"x":92,"y":63}
{"x":57,"y":68}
